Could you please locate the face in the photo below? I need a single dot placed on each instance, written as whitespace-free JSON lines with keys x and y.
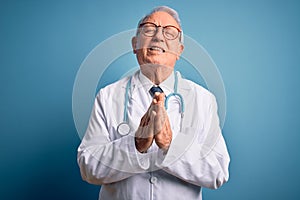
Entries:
{"x":157,"y":49}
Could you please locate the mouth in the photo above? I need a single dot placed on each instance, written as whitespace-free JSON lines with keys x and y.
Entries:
{"x":157,"y":48}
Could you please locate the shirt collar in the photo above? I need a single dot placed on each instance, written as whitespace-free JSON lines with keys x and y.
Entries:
{"x":167,"y":85}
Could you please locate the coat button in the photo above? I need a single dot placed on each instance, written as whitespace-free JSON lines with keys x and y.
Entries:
{"x":153,"y":180}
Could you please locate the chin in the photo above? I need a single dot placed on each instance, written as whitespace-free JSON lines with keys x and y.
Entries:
{"x":158,"y":61}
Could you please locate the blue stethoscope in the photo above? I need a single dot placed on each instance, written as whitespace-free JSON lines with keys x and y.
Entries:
{"x":124,"y":128}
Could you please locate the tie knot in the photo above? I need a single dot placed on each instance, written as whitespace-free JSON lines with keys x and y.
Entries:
{"x":155,"y":89}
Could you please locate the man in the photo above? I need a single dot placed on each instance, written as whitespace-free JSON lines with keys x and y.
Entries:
{"x":162,"y":144}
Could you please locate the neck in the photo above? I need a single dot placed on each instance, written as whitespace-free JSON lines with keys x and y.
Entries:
{"x":156,"y":73}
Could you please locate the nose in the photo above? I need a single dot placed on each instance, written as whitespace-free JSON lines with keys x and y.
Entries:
{"x":159,"y":35}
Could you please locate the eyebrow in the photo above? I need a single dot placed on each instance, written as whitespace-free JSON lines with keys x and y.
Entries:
{"x":179,"y":29}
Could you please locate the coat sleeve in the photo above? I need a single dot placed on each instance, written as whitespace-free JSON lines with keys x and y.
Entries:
{"x":206,"y":160}
{"x":102,"y":159}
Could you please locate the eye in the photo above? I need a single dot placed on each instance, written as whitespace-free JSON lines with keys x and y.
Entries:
{"x":149,"y":29}
{"x":170,"y":32}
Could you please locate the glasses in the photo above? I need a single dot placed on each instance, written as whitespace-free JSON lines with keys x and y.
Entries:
{"x":169,"y":32}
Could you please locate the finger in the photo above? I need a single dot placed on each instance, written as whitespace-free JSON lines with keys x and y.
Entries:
{"x":159,"y":121}
{"x":143,"y":120}
{"x":154,"y":101}
{"x":161,"y":97}
{"x":164,"y":138}
{"x":149,"y":129}
{"x":167,"y":123}
{"x":156,"y":94}
{"x":163,"y":124}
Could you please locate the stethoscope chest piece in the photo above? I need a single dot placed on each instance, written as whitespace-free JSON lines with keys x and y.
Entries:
{"x":123,"y":128}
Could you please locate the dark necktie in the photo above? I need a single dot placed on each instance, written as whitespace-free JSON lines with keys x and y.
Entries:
{"x":155,"y":89}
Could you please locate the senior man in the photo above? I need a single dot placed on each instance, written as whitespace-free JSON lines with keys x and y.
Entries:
{"x":154,"y":135}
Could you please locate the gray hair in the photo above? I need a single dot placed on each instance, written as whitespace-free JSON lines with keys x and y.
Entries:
{"x":168,"y":10}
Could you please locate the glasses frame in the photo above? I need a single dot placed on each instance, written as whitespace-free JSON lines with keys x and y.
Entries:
{"x":156,"y":26}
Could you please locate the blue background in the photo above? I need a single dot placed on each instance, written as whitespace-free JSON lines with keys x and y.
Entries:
{"x":255,"y":45}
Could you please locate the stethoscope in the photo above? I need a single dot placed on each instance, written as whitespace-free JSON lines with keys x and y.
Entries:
{"x":124,"y":128}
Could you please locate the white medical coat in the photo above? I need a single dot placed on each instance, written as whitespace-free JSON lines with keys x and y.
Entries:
{"x":197,"y":156}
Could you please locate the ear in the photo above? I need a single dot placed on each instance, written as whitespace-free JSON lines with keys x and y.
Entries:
{"x":133,"y":44}
{"x":180,"y":50}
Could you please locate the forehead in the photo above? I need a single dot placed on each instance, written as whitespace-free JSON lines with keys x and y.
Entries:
{"x":162,"y":19}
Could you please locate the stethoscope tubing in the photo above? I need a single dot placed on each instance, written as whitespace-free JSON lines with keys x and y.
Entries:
{"x":125,"y":114}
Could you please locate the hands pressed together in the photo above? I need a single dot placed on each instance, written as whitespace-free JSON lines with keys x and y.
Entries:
{"x":154,"y":125}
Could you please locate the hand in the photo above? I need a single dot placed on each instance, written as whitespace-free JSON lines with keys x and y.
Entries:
{"x":144,"y":136}
{"x":162,"y":129}
{"x":154,"y":125}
